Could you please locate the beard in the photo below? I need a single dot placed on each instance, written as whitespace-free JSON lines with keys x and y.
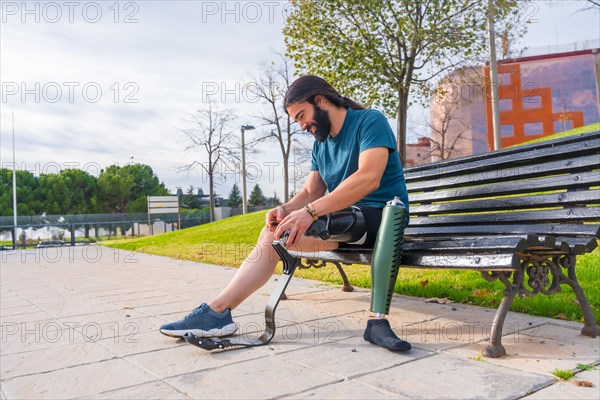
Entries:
{"x":322,"y":124}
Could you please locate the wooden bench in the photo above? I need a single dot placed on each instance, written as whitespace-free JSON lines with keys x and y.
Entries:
{"x":519,"y":216}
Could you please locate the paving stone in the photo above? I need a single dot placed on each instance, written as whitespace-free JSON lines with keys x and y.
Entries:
{"x":534,"y":354}
{"x":25,"y":318}
{"x":568,"y":390}
{"x":95,"y":318}
{"x":184,"y":307}
{"x":36,"y":336}
{"x":447,"y":377}
{"x":187,"y":359}
{"x":76,"y":308}
{"x":266,"y":377}
{"x":559,"y":331}
{"x":131,"y":327}
{"x":148,"y":301}
{"x":346,"y":390}
{"x":152,"y":390}
{"x":140,"y":343}
{"x":75,"y":382}
{"x":135,"y":294}
{"x":51,"y":359}
{"x":351,"y":357}
{"x":14,"y":302}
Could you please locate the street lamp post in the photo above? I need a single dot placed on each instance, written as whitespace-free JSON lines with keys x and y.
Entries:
{"x":244,"y":193}
{"x":14,"y":182}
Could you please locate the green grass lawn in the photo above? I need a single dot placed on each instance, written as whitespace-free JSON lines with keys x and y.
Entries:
{"x":228,"y":241}
{"x":588,"y":128}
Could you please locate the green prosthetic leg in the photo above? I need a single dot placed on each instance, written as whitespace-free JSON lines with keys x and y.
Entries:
{"x":387,"y":255}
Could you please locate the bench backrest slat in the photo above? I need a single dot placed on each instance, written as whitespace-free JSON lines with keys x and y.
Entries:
{"x":574,"y":230}
{"x":538,"y":169}
{"x":425,"y":171}
{"x":508,"y":203}
{"x":570,"y":181}
{"x":571,"y":215}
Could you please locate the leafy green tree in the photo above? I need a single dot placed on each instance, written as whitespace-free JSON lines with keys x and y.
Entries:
{"x":235,"y":197}
{"x":82,"y":191}
{"x":256,"y":197}
{"x":54,"y":193}
{"x":381,"y":51}
{"x":28,"y":202}
{"x":276,"y":200}
{"x":115,"y":189}
{"x":124,"y":189}
{"x":189,"y":200}
{"x":146,"y":183}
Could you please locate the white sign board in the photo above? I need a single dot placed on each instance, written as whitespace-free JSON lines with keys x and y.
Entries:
{"x":163,"y":205}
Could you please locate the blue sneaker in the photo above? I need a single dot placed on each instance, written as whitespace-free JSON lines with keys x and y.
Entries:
{"x":202,"y":322}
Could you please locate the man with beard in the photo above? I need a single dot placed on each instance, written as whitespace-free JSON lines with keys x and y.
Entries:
{"x":354,"y":163}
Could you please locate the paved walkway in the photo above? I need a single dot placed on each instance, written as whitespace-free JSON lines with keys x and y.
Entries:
{"x":82,"y":323}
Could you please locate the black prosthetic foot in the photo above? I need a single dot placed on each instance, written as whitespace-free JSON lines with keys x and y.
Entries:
{"x":380,"y":333}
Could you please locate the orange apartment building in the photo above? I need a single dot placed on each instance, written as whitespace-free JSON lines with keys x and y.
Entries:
{"x":537,"y":96}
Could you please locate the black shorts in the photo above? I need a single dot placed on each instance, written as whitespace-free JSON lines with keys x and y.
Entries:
{"x":372,"y":217}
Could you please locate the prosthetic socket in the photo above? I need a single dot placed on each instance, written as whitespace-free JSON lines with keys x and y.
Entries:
{"x":348,"y":226}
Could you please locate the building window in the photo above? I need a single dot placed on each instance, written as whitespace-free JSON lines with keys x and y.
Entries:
{"x":563,"y":125}
{"x":507,"y":131}
{"x":504,"y":79}
{"x":505,"y":105}
{"x":533,"y":128}
{"x":532,"y":102}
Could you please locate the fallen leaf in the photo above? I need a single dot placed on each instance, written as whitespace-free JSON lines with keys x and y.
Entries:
{"x":443,"y":300}
{"x":562,"y":316}
{"x":582,"y":383}
{"x":425,"y":283}
{"x":481,"y":292}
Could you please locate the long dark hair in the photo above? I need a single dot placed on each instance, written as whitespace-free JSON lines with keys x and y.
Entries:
{"x":308,"y":87}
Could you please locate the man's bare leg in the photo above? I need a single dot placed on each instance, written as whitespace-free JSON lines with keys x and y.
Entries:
{"x":258,"y":267}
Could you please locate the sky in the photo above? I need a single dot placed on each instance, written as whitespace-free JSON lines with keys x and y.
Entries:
{"x":96,"y":83}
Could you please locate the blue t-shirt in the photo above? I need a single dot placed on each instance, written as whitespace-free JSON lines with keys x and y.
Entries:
{"x":337,"y":158}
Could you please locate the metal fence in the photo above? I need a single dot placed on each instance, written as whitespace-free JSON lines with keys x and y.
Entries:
{"x":74,"y":228}
{"x":89,"y":227}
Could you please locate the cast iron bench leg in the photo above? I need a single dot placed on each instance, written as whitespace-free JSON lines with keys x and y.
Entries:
{"x":495,"y":348}
{"x":590,"y":327}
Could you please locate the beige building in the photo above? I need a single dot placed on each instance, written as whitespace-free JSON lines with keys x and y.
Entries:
{"x":418,"y":153}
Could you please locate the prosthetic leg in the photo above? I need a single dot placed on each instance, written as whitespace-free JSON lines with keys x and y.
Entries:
{"x":387,"y":256}
{"x":347,"y":226}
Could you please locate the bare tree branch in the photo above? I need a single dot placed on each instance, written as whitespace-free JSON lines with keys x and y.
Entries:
{"x":209,"y":132}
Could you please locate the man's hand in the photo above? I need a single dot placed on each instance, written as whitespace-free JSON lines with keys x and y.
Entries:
{"x":297,"y":222}
{"x":275,"y":215}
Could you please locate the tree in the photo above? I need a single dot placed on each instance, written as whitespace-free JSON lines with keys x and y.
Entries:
{"x":145,"y":183}
{"x":235,"y":197}
{"x":189,"y":200}
{"x":209,"y":130}
{"x":115,"y":188}
{"x":381,"y":51}
{"x":28,"y":202}
{"x":276,"y":200}
{"x":447,"y":133}
{"x":125,"y":189}
{"x":270,"y":86}
{"x":450,"y":135}
{"x":256,"y":197}
{"x":81,"y":191}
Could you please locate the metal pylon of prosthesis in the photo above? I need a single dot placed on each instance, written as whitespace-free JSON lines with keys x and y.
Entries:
{"x":290,"y":264}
